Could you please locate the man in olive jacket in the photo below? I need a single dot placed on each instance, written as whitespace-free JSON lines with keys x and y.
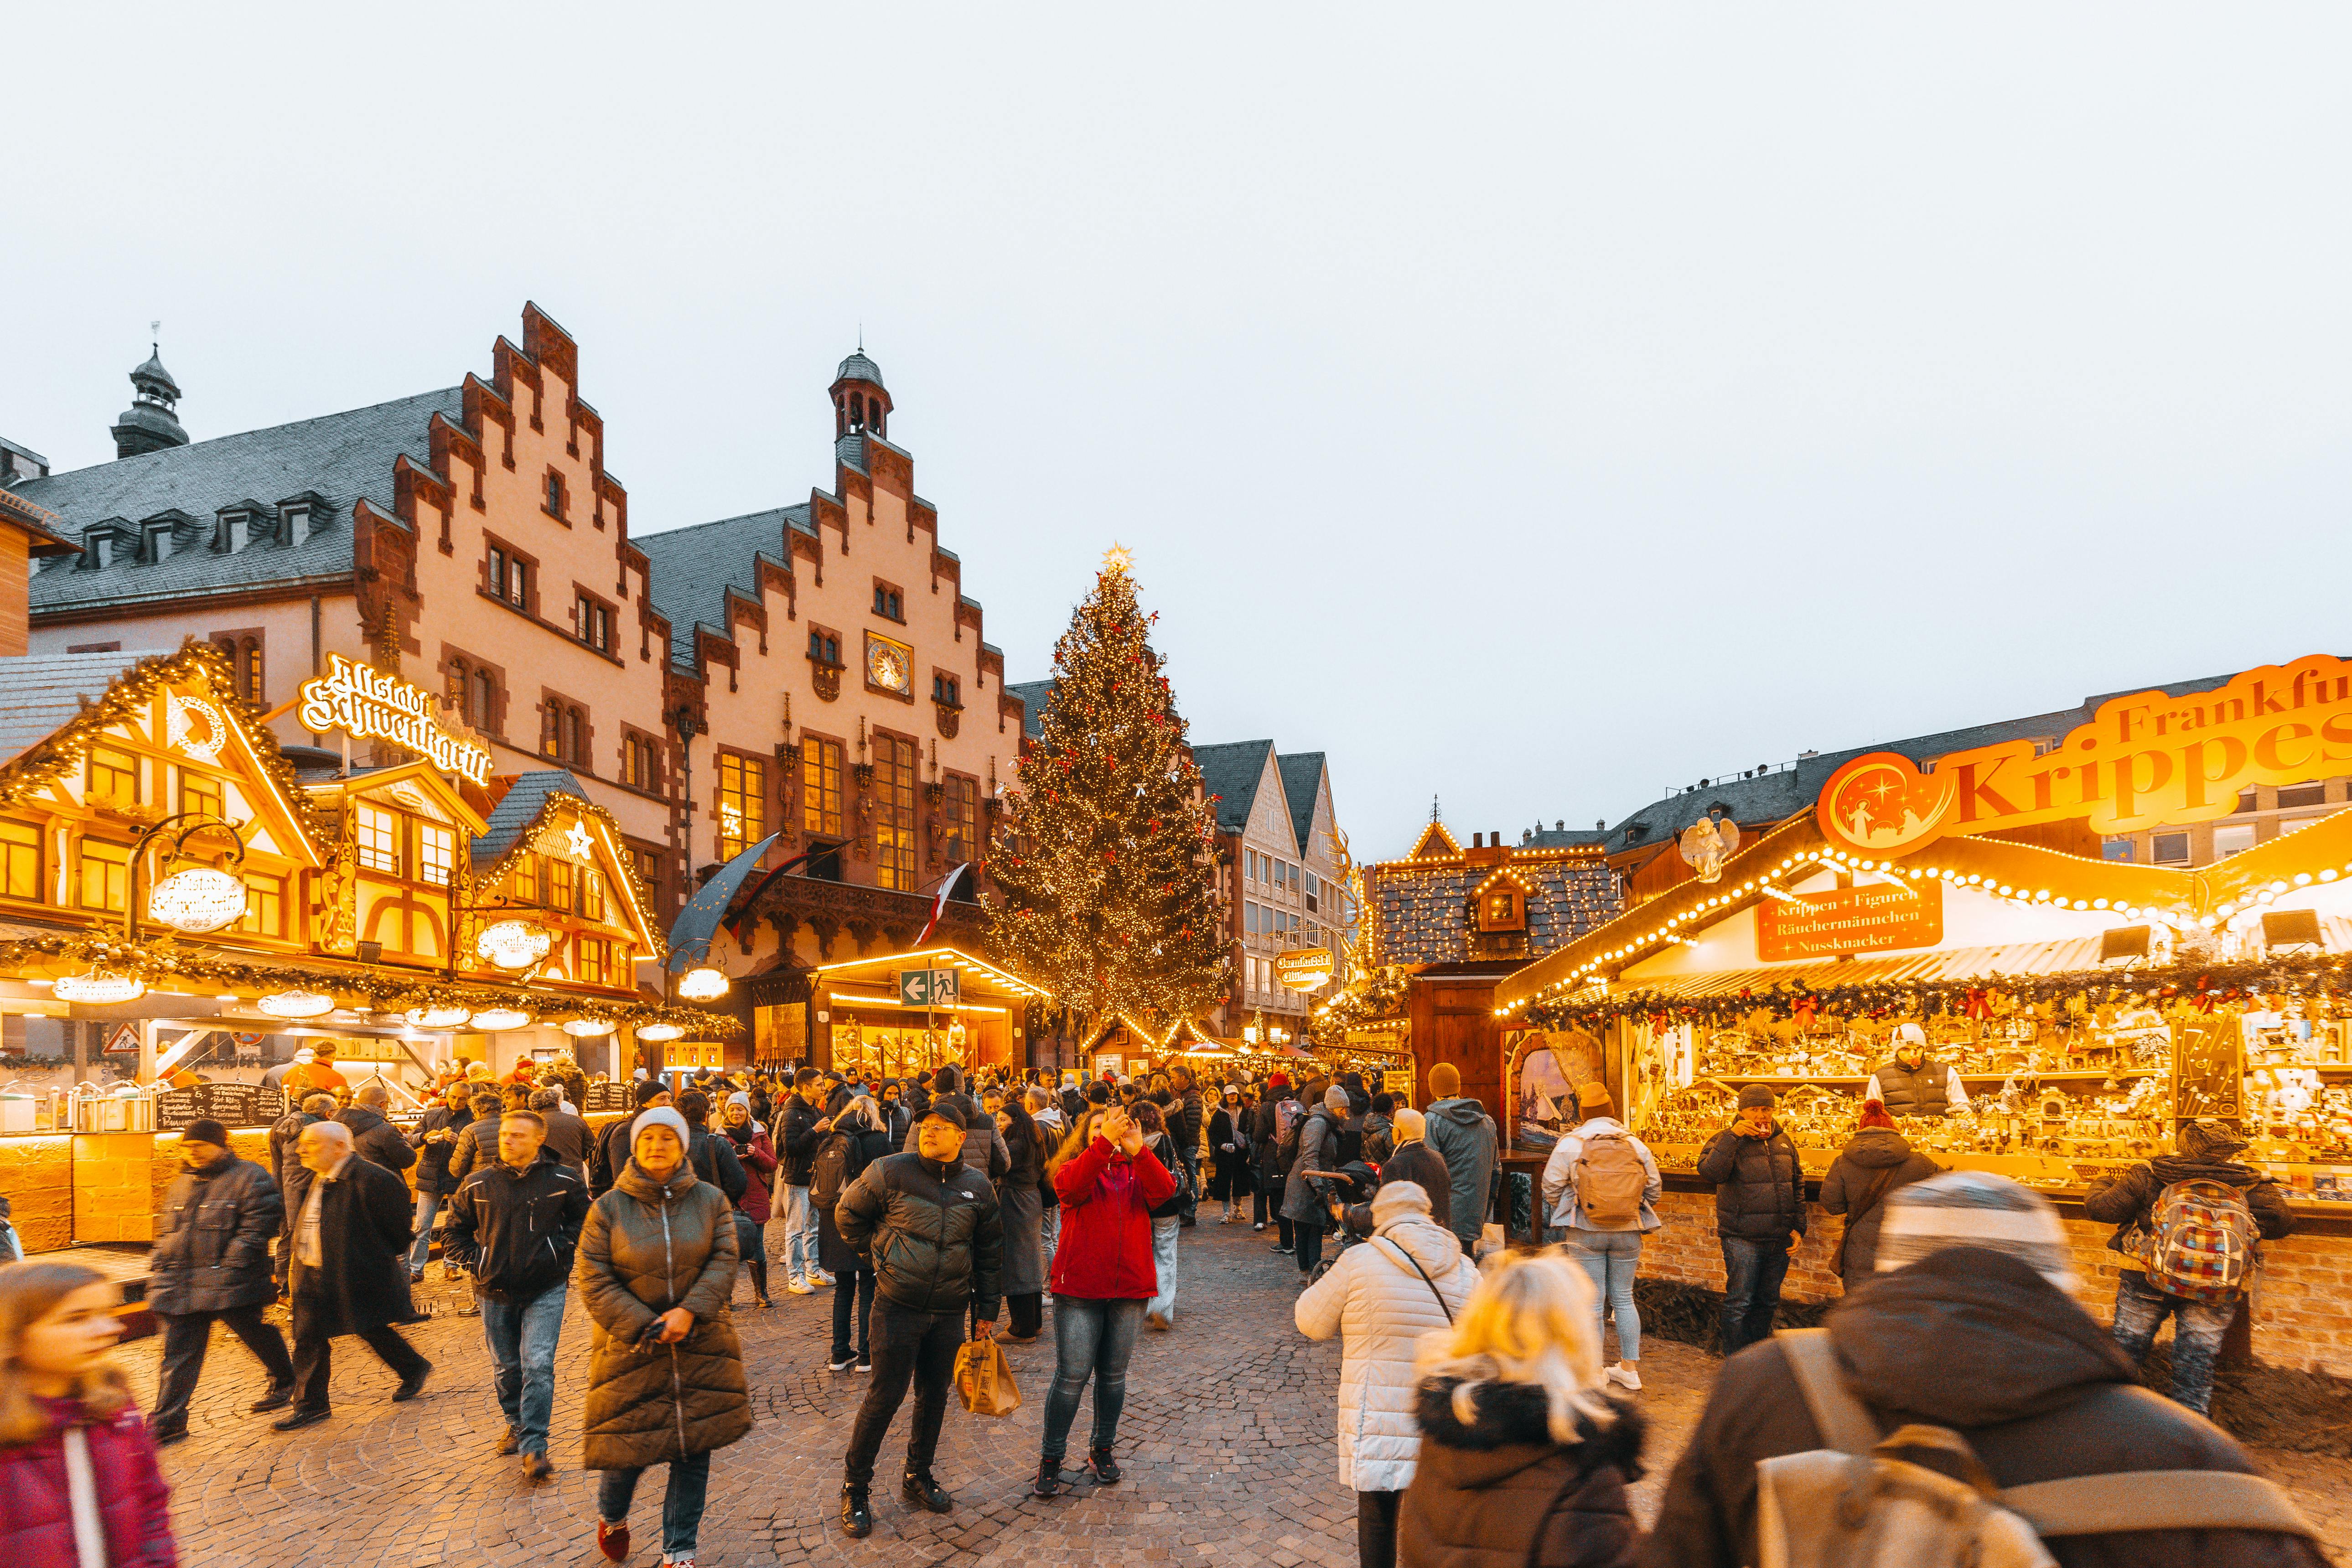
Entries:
{"x":931,"y":1228}
{"x":212,"y":1260}
{"x":1759,"y":1214}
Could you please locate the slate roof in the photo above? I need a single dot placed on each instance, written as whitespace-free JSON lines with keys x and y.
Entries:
{"x":692,"y":568}
{"x":1034,"y":695}
{"x":1421,"y":914}
{"x":1302,"y":782}
{"x":38,"y":692}
{"x":1562,"y":838}
{"x":341,"y":457}
{"x":1232,"y":769}
{"x":857,"y":367}
{"x":519,"y":807}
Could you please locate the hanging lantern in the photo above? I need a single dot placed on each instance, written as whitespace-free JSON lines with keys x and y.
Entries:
{"x":587,"y":1028}
{"x":703,"y":984}
{"x":659,"y":1032}
{"x":197,"y":900}
{"x":493,"y":1019}
{"x":512,"y":944}
{"x":99,"y":985}
{"x":296,"y":1003}
{"x":437,"y":1018}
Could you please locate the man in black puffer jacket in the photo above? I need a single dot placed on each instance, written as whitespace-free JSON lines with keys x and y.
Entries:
{"x":931,"y":1227}
{"x":372,"y":1135}
{"x":984,"y":1145}
{"x":1759,"y":1214}
{"x":211,"y":1260}
{"x":1185,"y":1122}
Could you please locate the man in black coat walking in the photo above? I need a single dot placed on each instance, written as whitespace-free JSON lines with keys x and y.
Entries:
{"x":372,"y":1134}
{"x":211,"y":1260}
{"x":285,"y":1165}
{"x":1759,"y":1214}
{"x":349,"y":1275}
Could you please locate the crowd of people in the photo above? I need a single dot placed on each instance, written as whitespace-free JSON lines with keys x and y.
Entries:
{"x":1478,"y":1418}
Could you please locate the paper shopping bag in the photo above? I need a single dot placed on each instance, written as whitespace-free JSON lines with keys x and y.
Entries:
{"x":983,"y":1379}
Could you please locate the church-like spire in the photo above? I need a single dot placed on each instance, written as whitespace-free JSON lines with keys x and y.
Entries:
{"x":151,"y":421}
{"x":859,"y":399}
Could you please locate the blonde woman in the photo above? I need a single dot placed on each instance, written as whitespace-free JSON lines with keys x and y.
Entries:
{"x":1523,"y":1457}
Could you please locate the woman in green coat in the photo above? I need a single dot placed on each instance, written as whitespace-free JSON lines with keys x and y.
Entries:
{"x":664,"y":1372}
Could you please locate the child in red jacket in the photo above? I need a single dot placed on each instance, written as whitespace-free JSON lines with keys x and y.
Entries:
{"x":68,"y":1425}
{"x":1103,"y":1274}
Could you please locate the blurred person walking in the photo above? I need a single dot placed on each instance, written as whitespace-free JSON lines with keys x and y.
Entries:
{"x":211,"y":1260}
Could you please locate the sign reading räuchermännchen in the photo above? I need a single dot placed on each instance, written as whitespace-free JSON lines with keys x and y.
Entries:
{"x":367,"y":704}
{"x":1871,"y":917}
{"x":2145,"y":760}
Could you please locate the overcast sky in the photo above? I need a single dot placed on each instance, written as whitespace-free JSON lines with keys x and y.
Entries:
{"x":1536,"y":409}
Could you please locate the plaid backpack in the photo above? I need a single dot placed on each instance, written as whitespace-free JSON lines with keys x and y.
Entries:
{"x":2199,"y":1243}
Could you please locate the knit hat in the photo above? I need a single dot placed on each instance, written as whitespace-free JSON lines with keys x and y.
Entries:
{"x":1336,"y":1099}
{"x":1280,"y":1080}
{"x":1874,"y":1114}
{"x":1399,"y":1199}
{"x":647,"y":1088}
{"x":659,"y":1116}
{"x":741,"y":1098}
{"x":2206,"y":1139}
{"x":206,"y":1131}
{"x":1975,"y":1208}
{"x":1409,"y":1125}
{"x":1754,"y":1095}
{"x":1593,"y":1098}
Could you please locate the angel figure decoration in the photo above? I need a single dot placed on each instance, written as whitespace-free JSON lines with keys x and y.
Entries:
{"x":1707,"y":843}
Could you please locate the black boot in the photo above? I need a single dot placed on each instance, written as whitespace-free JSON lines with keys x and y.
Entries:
{"x":921,"y":1489}
{"x":759,"y":1282}
{"x":857,"y":1513}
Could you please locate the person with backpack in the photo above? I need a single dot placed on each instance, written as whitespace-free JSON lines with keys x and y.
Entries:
{"x":1167,"y":1217}
{"x":1409,"y":1279}
{"x":1602,"y":1185}
{"x":2190,"y":1222}
{"x":1524,"y":1457}
{"x":1969,"y":1352}
{"x":1875,"y":1161}
{"x":1465,"y":1136}
{"x":1759,"y":1214}
{"x":1274,"y":1143}
{"x":1303,"y":1203}
{"x":856,"y":1139}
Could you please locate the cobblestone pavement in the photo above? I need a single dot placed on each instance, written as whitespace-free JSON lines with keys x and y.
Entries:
{"x":1226,"y":1445}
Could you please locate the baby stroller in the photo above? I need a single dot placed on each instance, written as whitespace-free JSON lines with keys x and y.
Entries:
{"x":1347,"y":1195}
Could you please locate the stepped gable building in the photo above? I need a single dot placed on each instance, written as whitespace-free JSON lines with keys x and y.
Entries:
{"x":1280,"y":866}
{"x":851,"y":705}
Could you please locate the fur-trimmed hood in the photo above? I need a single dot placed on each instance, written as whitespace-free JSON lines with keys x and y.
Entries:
{"x":1513,"y":1427}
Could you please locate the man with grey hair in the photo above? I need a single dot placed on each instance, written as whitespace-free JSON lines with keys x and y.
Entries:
{"x":569,"y":1137}
{"x":285,"y":1165}
{"x":1970,"y":1325}
{"x":372,"y":1133}
{"x":351,"y":1234}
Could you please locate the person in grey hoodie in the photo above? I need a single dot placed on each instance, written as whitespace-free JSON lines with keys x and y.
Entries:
{"x":1464,"y":1136}
{"x":1874,"y":1161}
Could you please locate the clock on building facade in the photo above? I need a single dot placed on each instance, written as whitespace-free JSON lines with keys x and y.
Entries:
{"x":888,"y":665}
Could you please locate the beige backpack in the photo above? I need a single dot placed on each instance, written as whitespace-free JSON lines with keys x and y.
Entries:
{"x":1859,"y":1504}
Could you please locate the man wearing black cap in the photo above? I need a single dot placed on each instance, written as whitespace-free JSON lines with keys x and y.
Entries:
{"x":212,"y":1260}
{"x":1759,"y":1214}
{"x":613,"y":1144}
{"x":931,"y":1227}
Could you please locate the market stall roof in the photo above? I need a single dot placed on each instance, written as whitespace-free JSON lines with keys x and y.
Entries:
{"x":978,"y":973}
{"x":2024,"y":874}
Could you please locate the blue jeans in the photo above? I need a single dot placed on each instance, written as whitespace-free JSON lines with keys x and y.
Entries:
{"x":1752,"y":1272}
{"x":1611,"y":1257}
{"x":1164,"y":1233}
{"x":1091,"y":1339}
{"x":427,"y":1205}
{"x":689,"y":1479}
{"x":522,"y":1336}
{"x":800,"y":1235}
{"x":2197,"y":1331}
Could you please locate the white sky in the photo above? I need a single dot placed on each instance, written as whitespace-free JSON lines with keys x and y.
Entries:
{"x":1541,"y":409}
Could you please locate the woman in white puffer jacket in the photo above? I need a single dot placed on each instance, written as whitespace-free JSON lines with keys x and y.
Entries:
{"x":1379,"y":1298}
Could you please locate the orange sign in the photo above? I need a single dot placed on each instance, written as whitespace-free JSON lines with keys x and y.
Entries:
{"x":2143,"y":760}
{"x":1873,"y":917}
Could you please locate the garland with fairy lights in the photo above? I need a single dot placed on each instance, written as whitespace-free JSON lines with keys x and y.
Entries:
{"x":2306,"y":981}
{"x":527,"y":843}
{"x":1375,"y":995}
{"x":1100,"y":894}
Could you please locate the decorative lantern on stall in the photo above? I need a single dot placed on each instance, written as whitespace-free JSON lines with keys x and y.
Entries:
{"x":512,"y":946}
{"x":99,"y":986}
{"x":702,"y":983}
{"x":196,"y":901}
{"x":492,"y":1019}
{"x":296,"y":1003}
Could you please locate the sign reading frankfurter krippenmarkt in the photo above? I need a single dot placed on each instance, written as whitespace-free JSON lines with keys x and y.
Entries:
{"x":2146,"y":758}
{"x":367,"y":704}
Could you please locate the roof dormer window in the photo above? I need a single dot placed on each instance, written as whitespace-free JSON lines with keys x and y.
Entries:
{"x":236,"y":529}
{"x":294,"y":522}
{"x":158,"y":544}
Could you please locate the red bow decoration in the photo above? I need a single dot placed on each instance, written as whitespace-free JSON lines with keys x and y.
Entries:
{"x":1977,"y":1007}
{"x":1804,"y":1009}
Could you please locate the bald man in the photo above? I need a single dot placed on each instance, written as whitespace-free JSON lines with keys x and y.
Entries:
{"x":350,"y":1275}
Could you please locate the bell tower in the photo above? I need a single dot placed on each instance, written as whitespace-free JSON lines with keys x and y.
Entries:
{"x":860,"y":401}
{"x":151,"y":421}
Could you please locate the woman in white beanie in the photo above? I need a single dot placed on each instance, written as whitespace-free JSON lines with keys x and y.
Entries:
{"x":1408,"y":1279}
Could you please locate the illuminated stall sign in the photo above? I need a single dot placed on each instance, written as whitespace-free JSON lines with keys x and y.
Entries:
{"x":367,"y":704}
{"x":2143,"y":760}
{"x":1304,"y":968}
{"x":1870,"y":917}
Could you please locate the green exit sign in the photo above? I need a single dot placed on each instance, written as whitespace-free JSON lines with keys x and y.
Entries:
{"x":930,"y":987}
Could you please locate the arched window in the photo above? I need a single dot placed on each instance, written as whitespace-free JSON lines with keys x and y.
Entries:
{"x":856,"y":409}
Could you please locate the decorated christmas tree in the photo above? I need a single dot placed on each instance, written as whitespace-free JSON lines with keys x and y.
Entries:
{"x":1101,"y":889}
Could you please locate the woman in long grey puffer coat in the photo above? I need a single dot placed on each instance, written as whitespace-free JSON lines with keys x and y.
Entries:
{"x":657,"y":1270}
{"x":1409,"y":1279}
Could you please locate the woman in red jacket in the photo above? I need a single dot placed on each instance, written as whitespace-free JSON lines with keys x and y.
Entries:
{"x":1103,"y":1274}
{"x":67,"y":1424}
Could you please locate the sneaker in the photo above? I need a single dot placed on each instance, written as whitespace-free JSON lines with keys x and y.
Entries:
{"x":613,"y":1540}
{"x":1623,"y":1377}
{"x":800,"y":1287}
{"x":1106,"y":1468}
{"x":866,"y":1363}
{"x":1050,"y":1481}
{"x":1285,"y":1251}
{"x":921,"y":1489}
{"x":1259,"y":1226}
{"x":819,"y":1276}
{"x":842,"y":1362}
{"x":856,"y":1514}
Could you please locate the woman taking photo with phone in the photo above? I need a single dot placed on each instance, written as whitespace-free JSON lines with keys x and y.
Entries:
{"x":664,"y":1372}
{"x":1109,"y":1184}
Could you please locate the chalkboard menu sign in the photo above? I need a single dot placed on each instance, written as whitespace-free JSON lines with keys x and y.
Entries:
{"x":608,"y":1097}
{"x":230,"y":1104}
